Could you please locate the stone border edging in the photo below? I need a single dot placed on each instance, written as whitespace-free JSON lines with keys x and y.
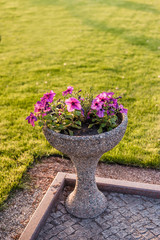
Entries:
{"x":40,"y":215}
{"x":50,"y":198}
{"x":121,"y":186}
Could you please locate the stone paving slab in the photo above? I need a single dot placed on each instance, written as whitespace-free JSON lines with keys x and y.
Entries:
{"x":127,"y":217}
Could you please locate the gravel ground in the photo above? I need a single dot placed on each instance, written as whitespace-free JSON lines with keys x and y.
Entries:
{"x":22,"y":204}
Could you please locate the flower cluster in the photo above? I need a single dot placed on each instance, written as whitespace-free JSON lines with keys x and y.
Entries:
{"x":104,"y":102}
{"x":41,"y":107}
{"x":74,"y":111}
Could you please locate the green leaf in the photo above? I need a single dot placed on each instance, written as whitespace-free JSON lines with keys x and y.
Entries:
{"x":48,"y":117}
{"x":103,"y":125}
{"x":78,"y":122}
{"x":40,"y":124}
{"x":61,"y":126}
{"x":113,"y":119}
{"x":70,"y":132}
{"x":53,"y":118}
{"x":100,"y":130}
{"x":78,"y":113}
{"x":75,"y":126}
{"x":67,"y":122}
{"x":57,"y":130}
{"x":91,"y":125}
{"x":93,"y":120}
{"x":69,"y":116}
{"x":53,"y":123}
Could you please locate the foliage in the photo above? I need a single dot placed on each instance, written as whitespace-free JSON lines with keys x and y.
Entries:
{"x":65,"y":115}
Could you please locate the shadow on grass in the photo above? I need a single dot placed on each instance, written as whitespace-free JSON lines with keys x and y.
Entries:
{"x":116,"y":3}
{"x":76,"y":10}
{"x":151,"y":43}
{"x":45,"y":2}
{"x":129,"y":5}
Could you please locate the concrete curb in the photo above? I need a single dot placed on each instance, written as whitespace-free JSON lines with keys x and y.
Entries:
{"x":40,"y":215}
{"x":62,"y":179}
{"x":121,"y":186}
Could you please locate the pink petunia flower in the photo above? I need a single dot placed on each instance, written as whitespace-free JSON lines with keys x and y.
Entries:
{"x":103,"y":97}
{"x":48,"y":97}
{"x":96,"y":104}
{"x":110,"y":94}
{"x":31,"y":119}
{"x":100,"y":113}
{"x":72,"y":104}
{"x":122,"y":109}
{"x":41,"y":107}
{"x":68,"y":91}
{"x":113,"y":103}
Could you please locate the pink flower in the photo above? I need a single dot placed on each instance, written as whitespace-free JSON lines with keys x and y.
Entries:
{"x":122,"y":109}
{"x":48,"y":97}
{"x":110,"y":112}
{"x":88,"y":114}
{"x":110,"y":94}
{"x":68,"y":91}
{"x":72,"y":104}
{"x":82,"y":111}
{"x":81,"y":99}
{"x":96,"y":104}
{"x":112,"y":103}
{"x":100,"y":113}
{"x":44,"y":114}
{"x":41,"y":107}
{"x":31,"y":119}
{"x":103,"y":97}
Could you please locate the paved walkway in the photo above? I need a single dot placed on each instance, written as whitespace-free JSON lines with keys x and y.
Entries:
{"x":127,"y":217}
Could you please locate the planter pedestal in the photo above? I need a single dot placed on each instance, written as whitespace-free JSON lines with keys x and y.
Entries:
{"x":86,"y":201}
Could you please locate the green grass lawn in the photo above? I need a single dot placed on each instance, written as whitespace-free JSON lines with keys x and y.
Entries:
{"x":51,"y":44}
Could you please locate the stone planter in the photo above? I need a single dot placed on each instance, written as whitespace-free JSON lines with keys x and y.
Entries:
{"x":86,"y":201}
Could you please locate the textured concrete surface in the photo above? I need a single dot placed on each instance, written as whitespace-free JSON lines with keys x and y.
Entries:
{"x":87,"y":146}
{"x":85,"y":152}
{"x":86,"y":201}
{"x":126,"y":217}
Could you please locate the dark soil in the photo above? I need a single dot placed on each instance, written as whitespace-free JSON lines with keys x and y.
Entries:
{"x":85,"y":131}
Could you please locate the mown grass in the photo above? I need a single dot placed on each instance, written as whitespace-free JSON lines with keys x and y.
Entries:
{"x":50,"y":44}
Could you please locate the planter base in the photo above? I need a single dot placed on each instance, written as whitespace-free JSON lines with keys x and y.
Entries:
{"x":86,"y":201}
{"x":89,"y":207}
